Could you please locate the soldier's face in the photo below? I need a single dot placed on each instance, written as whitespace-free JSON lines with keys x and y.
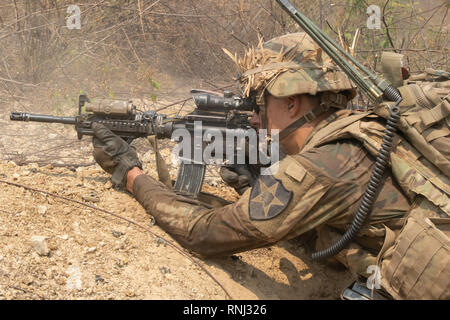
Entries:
{"x":277,"y":114}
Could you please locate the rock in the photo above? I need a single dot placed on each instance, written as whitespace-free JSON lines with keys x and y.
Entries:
{"x":64,"y":237}
{"x":117,"y":234}
{"x":12,"y":164}
{"x":121,"y":263}
{"x":129,"y":293}
{"x":160,"y":241}
{"x":27,"y":280}
{"x":60,"y":280}
{"x":164,"y":270}
{"x":16,"y":176}
{"x":52,"y":245}
{"x":52,"y":135}
{"x":99,"y":279}
{"x":42,"y":209}
{"x":91,"y":249}
{"x":40,"y":245}
{"x":213,"y":182}
{"x":25,"y":173}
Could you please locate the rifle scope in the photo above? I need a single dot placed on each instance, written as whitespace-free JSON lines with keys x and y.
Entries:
{"x":214,"y":102}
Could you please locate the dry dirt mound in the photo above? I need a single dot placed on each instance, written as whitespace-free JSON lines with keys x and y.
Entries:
{"x":52,"y":248}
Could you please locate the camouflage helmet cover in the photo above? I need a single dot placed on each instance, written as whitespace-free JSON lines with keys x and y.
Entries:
{"x":289,"y":65}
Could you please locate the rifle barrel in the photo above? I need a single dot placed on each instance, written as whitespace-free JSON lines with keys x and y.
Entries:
{"x":22,"y":116}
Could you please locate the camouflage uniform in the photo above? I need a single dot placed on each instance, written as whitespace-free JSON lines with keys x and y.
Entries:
{"x":319,"y":188}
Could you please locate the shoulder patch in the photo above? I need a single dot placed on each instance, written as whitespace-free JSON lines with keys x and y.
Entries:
{"x":268,"y":198}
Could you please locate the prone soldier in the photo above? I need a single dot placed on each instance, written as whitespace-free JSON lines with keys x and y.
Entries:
{"x":329,"y":155}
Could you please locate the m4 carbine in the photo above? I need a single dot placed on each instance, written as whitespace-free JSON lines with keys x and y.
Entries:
{"x":224,"y":113}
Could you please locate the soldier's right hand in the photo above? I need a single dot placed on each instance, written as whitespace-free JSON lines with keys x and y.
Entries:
{"x":113,"y":154}
{"x":239,"y":177}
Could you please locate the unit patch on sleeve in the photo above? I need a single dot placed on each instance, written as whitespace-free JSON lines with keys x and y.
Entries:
{"x":268,"y":198}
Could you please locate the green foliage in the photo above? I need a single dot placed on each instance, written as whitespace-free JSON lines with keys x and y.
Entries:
{"x":402,"y":4}
{"x":359,"y":5}
{"x":154,"y":84}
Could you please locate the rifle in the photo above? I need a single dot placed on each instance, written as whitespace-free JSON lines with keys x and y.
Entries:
{"x":227,"y":113}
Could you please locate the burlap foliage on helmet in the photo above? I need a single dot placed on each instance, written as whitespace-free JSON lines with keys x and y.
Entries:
{"x":289,"y":65}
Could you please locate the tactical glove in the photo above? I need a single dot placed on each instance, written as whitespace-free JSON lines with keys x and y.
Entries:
{"x":239,"y":177}
{"x":113,"y":154}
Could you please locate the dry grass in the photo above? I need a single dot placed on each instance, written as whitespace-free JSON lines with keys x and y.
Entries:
{"x":128,"y":47}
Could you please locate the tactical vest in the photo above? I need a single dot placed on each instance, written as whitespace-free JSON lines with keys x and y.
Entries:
{"x":415,"y":262}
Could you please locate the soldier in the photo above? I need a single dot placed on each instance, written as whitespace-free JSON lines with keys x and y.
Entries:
{"x":319,"y":182}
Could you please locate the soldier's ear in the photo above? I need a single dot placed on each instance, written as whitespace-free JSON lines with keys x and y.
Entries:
{"x":293,"y":106}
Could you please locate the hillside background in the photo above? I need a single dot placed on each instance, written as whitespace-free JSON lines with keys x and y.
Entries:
{"x":132,"y":47}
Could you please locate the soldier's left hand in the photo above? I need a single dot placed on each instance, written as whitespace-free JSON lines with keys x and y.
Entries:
{"x":113,"y":154}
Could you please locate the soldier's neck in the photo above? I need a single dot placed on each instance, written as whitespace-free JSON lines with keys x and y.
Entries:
{"x":293,"y":143}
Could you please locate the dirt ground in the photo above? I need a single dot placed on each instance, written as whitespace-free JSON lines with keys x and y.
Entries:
{"x":85,"y":253}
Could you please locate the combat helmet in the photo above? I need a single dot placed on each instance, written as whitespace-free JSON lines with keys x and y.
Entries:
{"x":290,"y":65}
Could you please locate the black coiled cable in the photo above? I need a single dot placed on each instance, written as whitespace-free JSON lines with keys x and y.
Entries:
{"x":370,"y":195}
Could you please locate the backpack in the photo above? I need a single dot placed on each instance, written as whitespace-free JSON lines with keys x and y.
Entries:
{"x":414,"y":261}
{"x":424,"y":118}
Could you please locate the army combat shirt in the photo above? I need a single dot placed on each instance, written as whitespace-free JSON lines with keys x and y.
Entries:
{"x":317,"y":187}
